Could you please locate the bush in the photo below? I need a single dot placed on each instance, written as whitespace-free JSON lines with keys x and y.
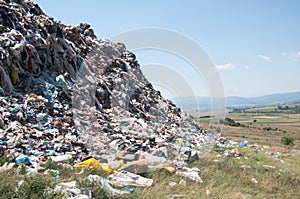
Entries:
{"x":34,"y":187}
{"x":52,"y":165}
{"x":229,"y":120}
{"x":267,"y":128}
{"x":287,"y":141}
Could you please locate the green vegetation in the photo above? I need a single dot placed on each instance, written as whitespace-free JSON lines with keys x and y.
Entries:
{"x":270,"y":129}
{"x":230,"y":122}
{"x":287,"y":141}
{"x":261,"y":125}
{"x":13,"y":186}
{"x":295,"y":109}
{"x":224,"y":176}
{"x":292,"y":109}
{"x":16,"y":183}
{"x":279,"y":109}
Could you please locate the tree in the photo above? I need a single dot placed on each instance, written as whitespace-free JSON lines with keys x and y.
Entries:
{"x":287,"y":141}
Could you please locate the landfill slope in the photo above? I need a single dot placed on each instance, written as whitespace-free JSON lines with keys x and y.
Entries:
{"x":66,"y":95}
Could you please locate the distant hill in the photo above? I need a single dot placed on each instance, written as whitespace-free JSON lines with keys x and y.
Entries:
{"x":190,"y":103}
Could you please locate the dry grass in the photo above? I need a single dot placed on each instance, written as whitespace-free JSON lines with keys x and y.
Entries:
{"x":222,"y":175}
{"x":225,"y":178}
{"x":279,"y":124}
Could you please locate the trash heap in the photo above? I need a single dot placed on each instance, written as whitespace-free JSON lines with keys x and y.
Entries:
{"x":67,"y":95}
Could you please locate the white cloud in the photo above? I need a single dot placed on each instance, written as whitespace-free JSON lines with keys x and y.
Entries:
{"x":266,"y":58}
{"x":247,"y":67}
{"x":223,"y":67}
{"x":294,"y":55}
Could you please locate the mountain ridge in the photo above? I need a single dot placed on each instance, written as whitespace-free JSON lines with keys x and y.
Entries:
{"x":201,"y":102}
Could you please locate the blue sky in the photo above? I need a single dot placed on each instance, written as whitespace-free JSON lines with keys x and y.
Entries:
{"x":254,"y":44}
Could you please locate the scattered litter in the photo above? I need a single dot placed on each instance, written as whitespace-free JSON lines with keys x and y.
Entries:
{"x":106,"y":167}
{"x":61,"y":158}
{"x":91,"y":162}
{"x":170,"y":168}
{"x":278,"y":158}
{"x":125,"y":178}
{"x":177,"y":196}
{"x":55,"y":173}
{"x":286,"y":171}
{"x":245,"y":166}
{"x":172,"y":184}
{"x":22,"y":159}
{"x":20,"y":183}
{"x":132,"y":190}
{"x":112,"y":192}
{"x":7,"y":166}
{"x":137,"y":167}
{"x":268,"y":167}
{"x":254,"y":180}
{"x":191,"y":173}
{"x":70,"y":190}
{"x":179,"y":164}
{"x":207,"y":192}
{"x":182,"y":182}
{"x":81,"y":172}
{"x":244,"y":144}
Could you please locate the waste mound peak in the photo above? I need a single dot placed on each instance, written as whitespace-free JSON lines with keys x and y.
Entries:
{"x":67,"y":95}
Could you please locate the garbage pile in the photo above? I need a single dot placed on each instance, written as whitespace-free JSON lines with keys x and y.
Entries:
{"x":67,"y":95}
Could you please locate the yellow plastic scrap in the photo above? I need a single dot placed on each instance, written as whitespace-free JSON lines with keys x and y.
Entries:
{"x":44,"y":21}
{"x":236,"y":150}
{"x":120,"y":162}
{"x":170,"y":169}
{"x":91,"y":162}
{"x":106,"y":167}
{"x":167,"y":166}
{"x":14,"y":74}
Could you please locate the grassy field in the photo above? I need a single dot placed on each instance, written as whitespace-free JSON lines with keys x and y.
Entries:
{"x":262,"y":127}
{"x":224,"y":176}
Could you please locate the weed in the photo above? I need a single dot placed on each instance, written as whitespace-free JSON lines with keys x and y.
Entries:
{"x":52,"y":165}
{"x":287,"y":141}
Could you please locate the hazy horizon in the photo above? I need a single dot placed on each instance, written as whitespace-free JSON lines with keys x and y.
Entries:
{"x":250,"y":96}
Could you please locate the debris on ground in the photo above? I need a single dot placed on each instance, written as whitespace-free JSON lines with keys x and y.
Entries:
{"x":125,"y":178}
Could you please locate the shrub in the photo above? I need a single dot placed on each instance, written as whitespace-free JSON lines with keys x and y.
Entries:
{"x":287,"y":141}
{"x":52,"y":165}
